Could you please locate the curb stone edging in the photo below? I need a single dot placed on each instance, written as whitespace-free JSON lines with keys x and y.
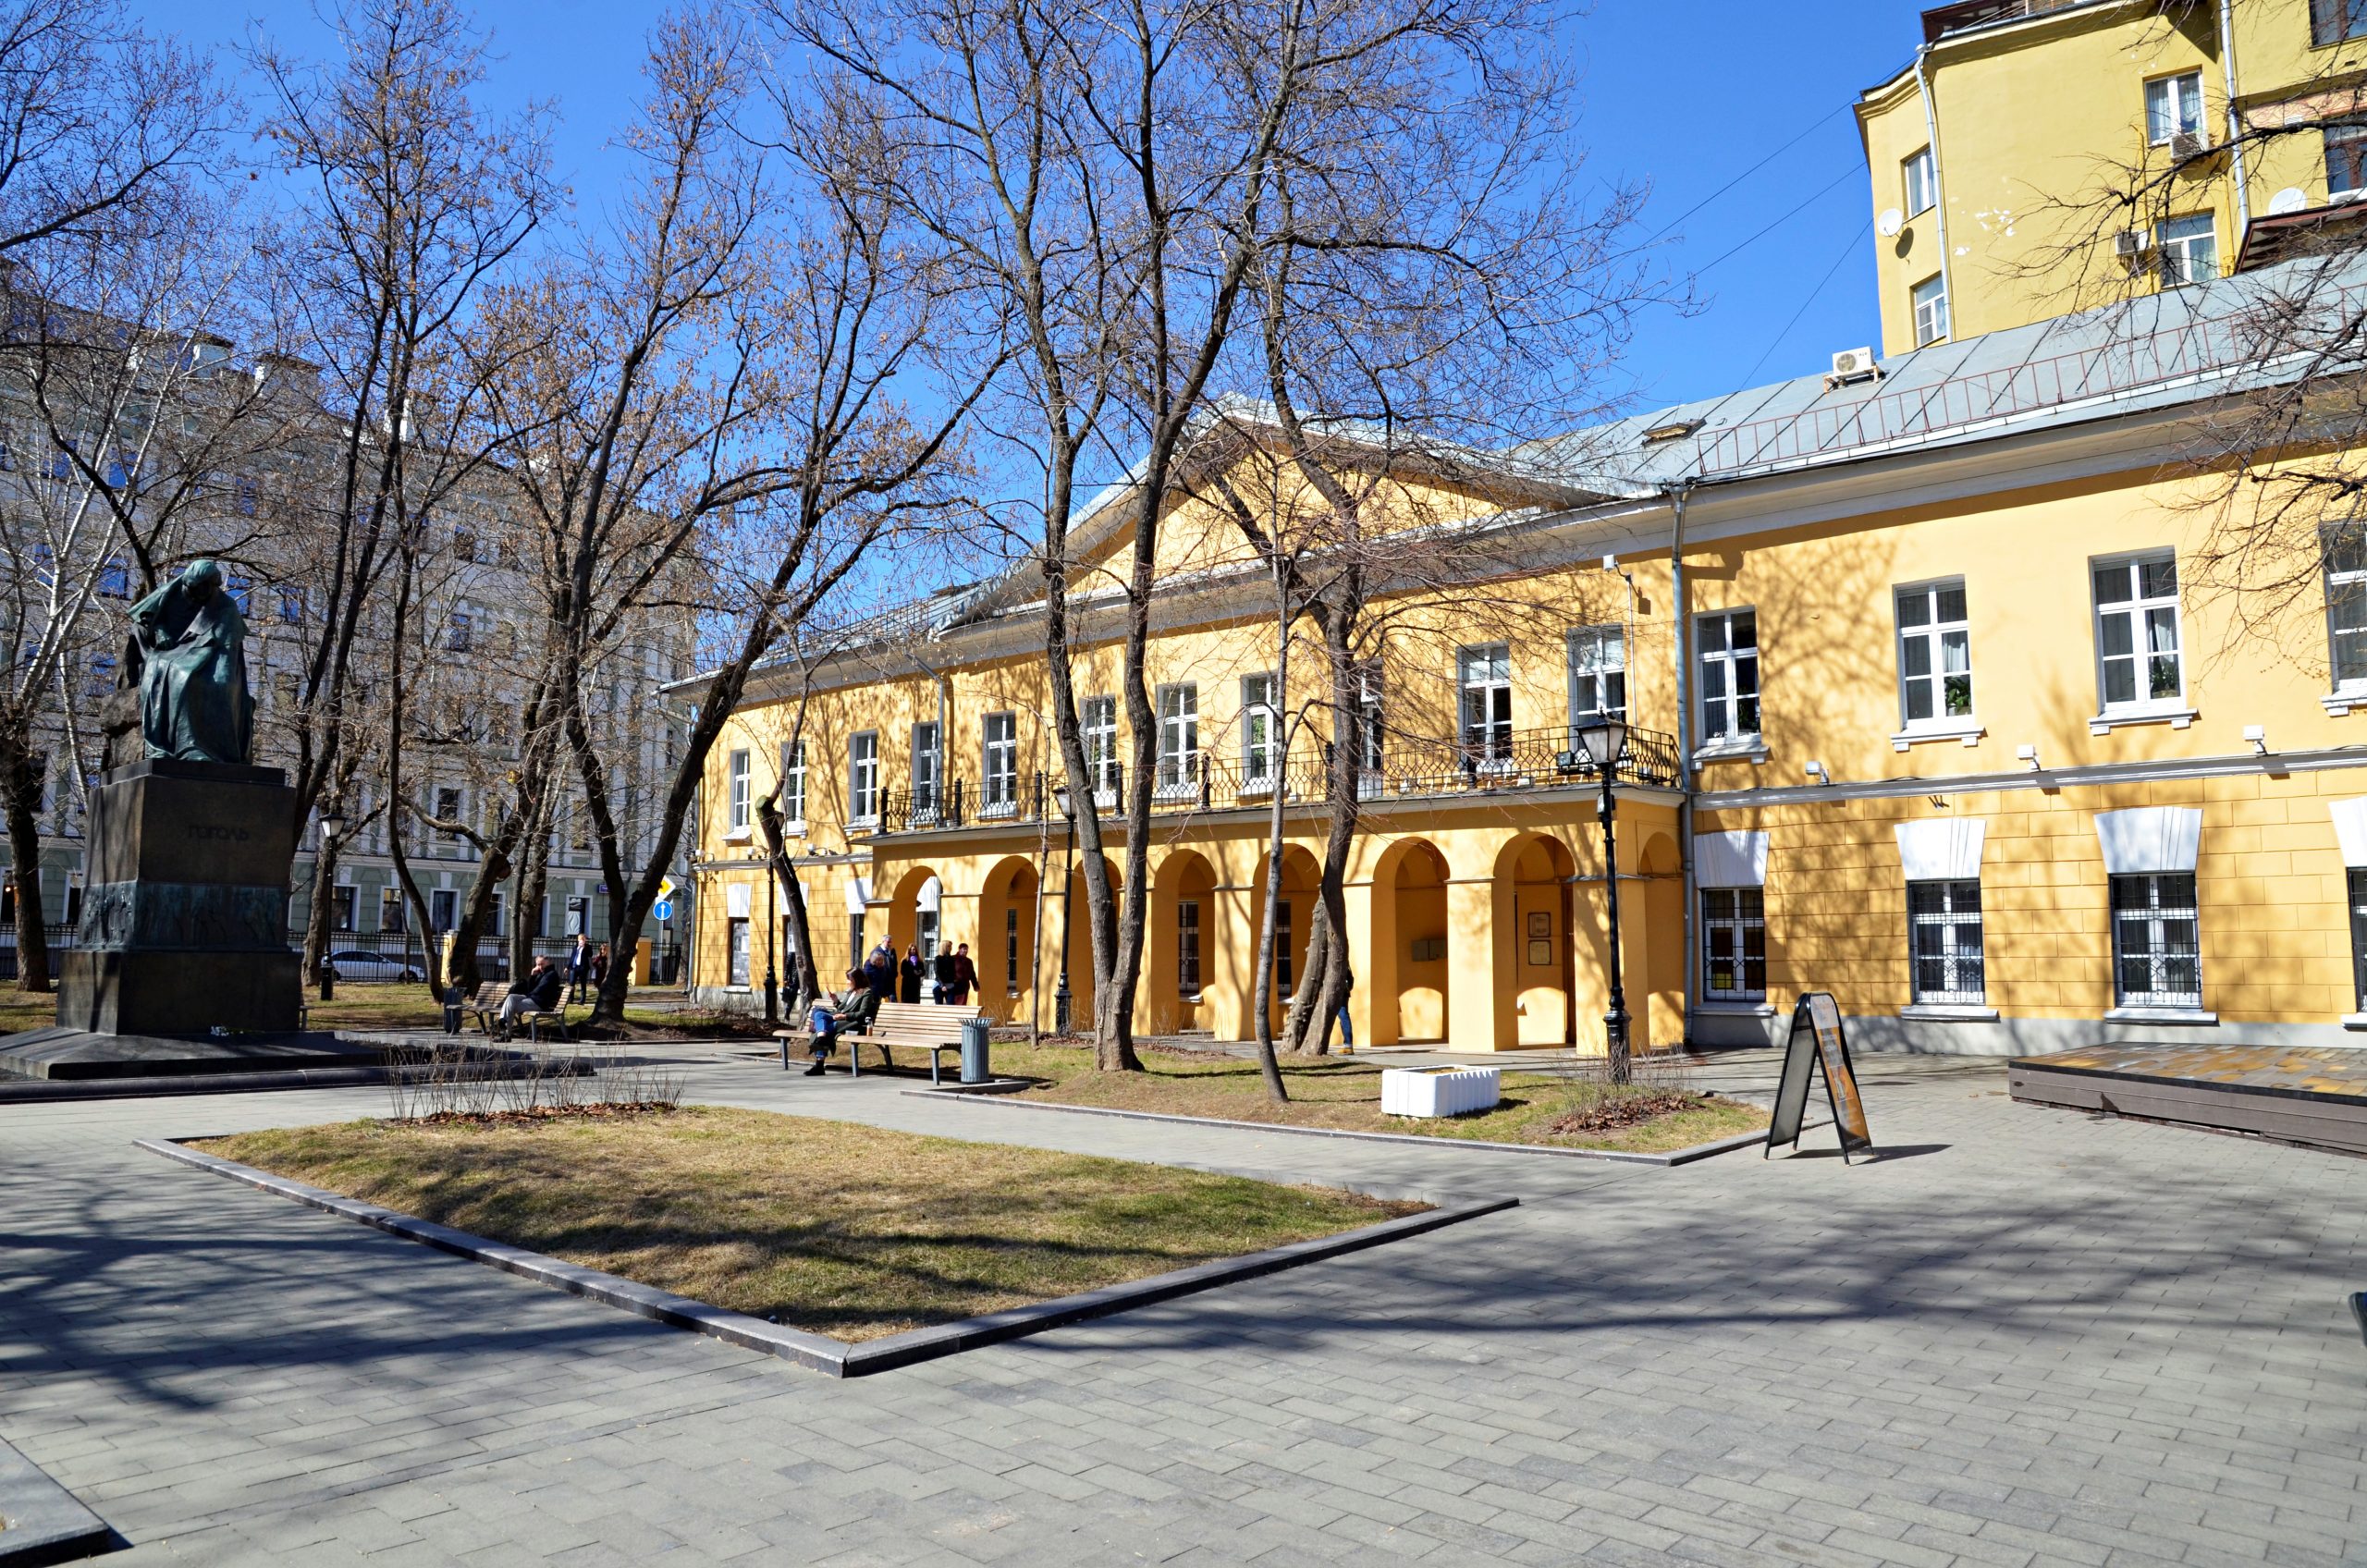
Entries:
{"x":816,"y":1352}
{"x":46,"y":1523}
{"x":1617,"y":1156}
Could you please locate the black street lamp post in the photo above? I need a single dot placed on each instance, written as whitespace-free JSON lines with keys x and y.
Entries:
{"x":332,"y":826}
{"x":1604,"y":739}
{"x":772,"y":933}
{"x":1068,"y":873}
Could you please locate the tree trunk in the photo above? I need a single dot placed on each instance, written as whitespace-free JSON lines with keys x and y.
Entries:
{"x":21,"y":778}
{"x":316,"y":918}
{"x":804,"y":978}
{"x":533,"y":879}
{"x":1278,"y":737}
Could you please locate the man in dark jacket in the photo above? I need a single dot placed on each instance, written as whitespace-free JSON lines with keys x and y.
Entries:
{"x":942,"y":970}
{"x":879,"y":974}
{"x":540,"y":992}
{"x":965,"y":978}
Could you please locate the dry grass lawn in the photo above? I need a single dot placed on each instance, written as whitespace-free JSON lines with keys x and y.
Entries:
{"x":841,"y":1229}
{"x":1344,"y":1092}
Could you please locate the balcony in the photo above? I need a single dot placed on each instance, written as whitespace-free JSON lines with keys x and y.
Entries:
{"x":1524,"y":762}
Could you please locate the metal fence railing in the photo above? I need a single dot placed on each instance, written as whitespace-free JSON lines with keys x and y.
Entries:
{"x":1500,"y":762}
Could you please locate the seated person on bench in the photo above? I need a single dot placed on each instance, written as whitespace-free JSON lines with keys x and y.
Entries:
{"x":540,"y":993}
{"x":851,"y":1009}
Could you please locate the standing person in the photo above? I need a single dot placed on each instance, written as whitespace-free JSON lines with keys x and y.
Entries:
{"x":965,"y":977}
{"x":578,"y":965}
{"x":600,"y":967}
{"x":941,"y":975}
{"x":879,"y":974}
{"x":908,"y":975}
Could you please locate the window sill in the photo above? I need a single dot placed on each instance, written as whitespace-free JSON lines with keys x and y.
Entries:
{"x":2354,"y":1021}
{"x":2339,"y":704}
{"x":1753,"y":750}
{"x":2162,"y":1015}
{"x":1939,"y":1012}
{"x":794,"y":830}
{"x":1967,"y":733}
{"x":2111,"y":719}
{"x":1735,"y":1009}
{"x":737,"y":835}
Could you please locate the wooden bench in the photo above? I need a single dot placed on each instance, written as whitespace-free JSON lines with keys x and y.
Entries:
{"x":553,"y":1019}
{"x":921,"y":1025}
{"x":486,"y":1005}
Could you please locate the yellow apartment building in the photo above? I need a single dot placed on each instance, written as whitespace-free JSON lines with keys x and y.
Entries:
{"x":1993,"y":151}
{"x":1931,"y":706}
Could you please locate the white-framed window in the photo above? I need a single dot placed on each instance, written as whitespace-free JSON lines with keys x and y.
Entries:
{"x":928,"y":767}
{"x":854,"y":939}
{"x":1918,"y":181}
{"x":792,"y":783}
{"x":447,"y":809}
{"x":1097,"y":718}
{"x":443,"y":908}
{"x":1284,"y":979}
{"x":2188,"y":249}
{"x":2138,"y":659}
{"x":736,"y":817}
{"x":1179,"y":739}
{"x":1011,"y":950}
{"x":2346,"y":149}
{"x":2173,"y":106}
{"x":998,"y":780}
{"x":737,"y":949}
{"x":1484,"y":677}
{"x":1260,"y":747}
{"x":2156,"y":946}
{"x":1187,"y":948}
{"x":863,"y":777}
{"x":1928,"y":300}
{"x":2344,"y":548}
{"x":1934,"y":654}
{"x":1733,"y":944}
{"x":1944,"y":941}
{"x":343,"y":898}
{"x":393,"y":915}
{"x":1372,"y":732}
{"x":1727,"y":646}
{"x":2355,"y":888}
{"x":2331,"y":21}
{"x":1597,"y":674}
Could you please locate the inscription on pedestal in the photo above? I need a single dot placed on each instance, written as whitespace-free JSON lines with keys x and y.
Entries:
{"x":182,"y":916}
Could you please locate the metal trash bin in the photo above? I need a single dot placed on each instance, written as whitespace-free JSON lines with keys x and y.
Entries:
{"x":974,"y":1066}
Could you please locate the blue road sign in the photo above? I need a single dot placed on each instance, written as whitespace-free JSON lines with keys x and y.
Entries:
{"x":663,"y":909}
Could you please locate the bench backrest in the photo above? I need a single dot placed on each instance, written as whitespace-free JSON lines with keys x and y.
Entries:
{"x":921,"y":1020}
{"x":492,"y":993}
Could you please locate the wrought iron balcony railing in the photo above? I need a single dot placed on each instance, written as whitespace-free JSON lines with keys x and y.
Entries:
{"x":1506,"y":763}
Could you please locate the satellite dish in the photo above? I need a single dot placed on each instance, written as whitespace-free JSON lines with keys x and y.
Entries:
{"x":2292,"y":199}
{"x":1890,"y":221}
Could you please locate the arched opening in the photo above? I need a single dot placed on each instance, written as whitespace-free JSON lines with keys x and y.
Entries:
{"x":1293,"y":920}
{"x":1407,"y":961}
{"x":1183,"y":929}
{"x":913,"y":921}
{"x":1534,"y":952}
{"x":1070,"y":920}
{"x":1003,"y":948}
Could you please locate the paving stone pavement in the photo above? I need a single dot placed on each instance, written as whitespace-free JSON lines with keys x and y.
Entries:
{"x":2024,"y":1337}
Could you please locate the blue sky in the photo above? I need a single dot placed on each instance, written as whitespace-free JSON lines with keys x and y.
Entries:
{"x":1683,"y":96}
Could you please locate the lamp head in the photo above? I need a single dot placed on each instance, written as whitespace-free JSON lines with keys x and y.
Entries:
{"x":1603,"y":738}
{"x":333,"y":822}
{"x":1060,"y":800}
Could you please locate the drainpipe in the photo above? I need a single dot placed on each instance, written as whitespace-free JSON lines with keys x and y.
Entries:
{"x":1939,"y":186}
{"x":2235,"y":122}
{"x":1682,"y":642}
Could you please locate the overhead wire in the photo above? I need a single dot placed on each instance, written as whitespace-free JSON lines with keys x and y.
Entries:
{"x":1822,"y":284}
{"x":1813,"y":126}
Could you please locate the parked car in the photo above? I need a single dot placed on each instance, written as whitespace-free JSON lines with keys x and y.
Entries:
{"x":355,"y":964}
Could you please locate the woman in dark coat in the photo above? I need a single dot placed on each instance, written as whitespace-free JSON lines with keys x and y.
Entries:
{"x":908,"y":975}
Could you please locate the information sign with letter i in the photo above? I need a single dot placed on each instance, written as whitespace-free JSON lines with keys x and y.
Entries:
{"x":1818,"y":1042}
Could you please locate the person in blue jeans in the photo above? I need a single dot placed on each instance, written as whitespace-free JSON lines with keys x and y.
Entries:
{"x":831,"y":1016}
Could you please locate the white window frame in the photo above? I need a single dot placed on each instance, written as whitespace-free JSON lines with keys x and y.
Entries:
{"x":2158,"y":918}
{"x":1178,"y":739}
{"x":2346,"y":585}
{"x":792,"y":785}
{"x":998,"y":771}
{"x":1260,"y":743}
{"x":2140,"y":611}
{"x":2173,"y":106}
{"x":862,"y":778}
{"x":1937,"y":935}
{"x":1927,"y":303}
{"x":1596,"y":654}
{"x":1731,"y":662}
{"x":735,"y":820}
{"x":1714,"y":948}
{"x":1918,"y":184}
{"x":1188,"y":976}
{"x":1934,"y":639}
{"x":2185,"y":249}
{"x":1483,"y":682}
{"x":1097,"y":720}
{"x":929,"y":769}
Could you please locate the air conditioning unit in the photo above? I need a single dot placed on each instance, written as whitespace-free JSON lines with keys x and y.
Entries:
{"x":1852,"y":364}
{"x":2187,"y":146}
{"x":2130,"y":243}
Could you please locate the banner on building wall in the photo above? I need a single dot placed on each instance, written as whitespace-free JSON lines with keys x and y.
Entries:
{"x":1818,"y":1041}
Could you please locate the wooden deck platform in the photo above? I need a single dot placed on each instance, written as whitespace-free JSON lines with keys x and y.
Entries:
{"x":2300,"y":1095}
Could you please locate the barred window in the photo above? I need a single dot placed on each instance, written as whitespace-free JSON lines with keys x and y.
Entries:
{"x":1187,"y":948}
{"x":1943,"y":935}
{"x":1733,"y":944}
{"x":2157,"y":956}
{"x":2357,"y":877}
{"x":1011,"y":950}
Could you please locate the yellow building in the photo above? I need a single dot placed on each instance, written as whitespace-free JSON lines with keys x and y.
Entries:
{"x":1994,"y":153}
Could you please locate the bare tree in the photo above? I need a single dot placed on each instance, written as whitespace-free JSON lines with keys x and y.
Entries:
{"x":415,"y":200}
